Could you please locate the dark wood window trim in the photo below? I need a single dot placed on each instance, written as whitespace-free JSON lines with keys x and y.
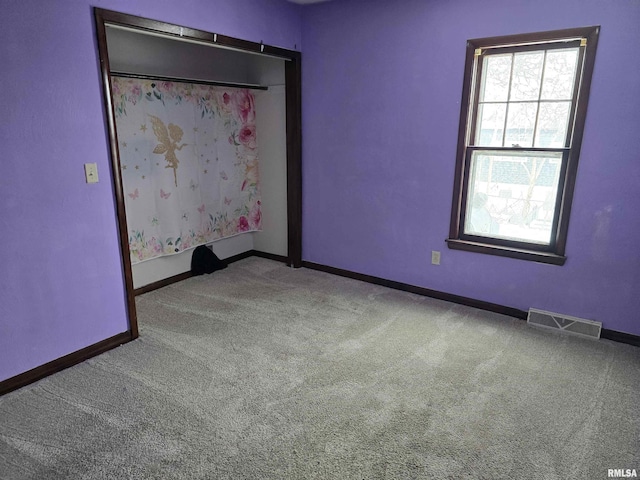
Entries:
{"x":554,"y":253}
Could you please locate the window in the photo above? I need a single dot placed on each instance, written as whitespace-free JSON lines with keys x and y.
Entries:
{"x":523,"y":111}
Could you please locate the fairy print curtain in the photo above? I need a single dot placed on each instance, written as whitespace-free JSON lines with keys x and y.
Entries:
{"x":189,"y":164}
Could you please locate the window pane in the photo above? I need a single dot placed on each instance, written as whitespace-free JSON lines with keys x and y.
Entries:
{"x":490,"y":126}
{"x":496,"y":70}
{"x":552,"y":124}
{"x":559,"y":74}
{"x":512,"y":195}
{"x":527,"y":71}
{"x":520,"y":124}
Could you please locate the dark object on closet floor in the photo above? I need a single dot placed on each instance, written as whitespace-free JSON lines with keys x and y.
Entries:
{"x":204,"y":261}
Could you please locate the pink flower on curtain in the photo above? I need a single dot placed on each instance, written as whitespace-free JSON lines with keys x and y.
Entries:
{"x":115,"y":87}
{"x":225,"y":102}
{"x":245,"y":106}
{"x":255,"y":215}
{"x":247,"y":136}
{"x":166,"y":87}
{"x":156,"y":247}
{"x":136,"y":91}
{"x":243,"y":224}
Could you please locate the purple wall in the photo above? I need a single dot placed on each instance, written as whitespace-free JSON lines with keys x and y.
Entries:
{"x":61,"y":287}
{"x":381,"y":103}
{"x":381,"y":91}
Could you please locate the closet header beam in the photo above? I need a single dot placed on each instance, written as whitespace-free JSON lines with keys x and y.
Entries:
{"x":188,"y":80}
{"x":199,"y":37}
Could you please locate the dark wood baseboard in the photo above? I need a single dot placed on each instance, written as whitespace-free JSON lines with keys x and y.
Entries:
{"x":239,"y":256}
{"x":62,"y":363}
{"x":620,"y":337}
{"x":162,"y":283}
{"x":270,"y":256}
{"x":405,"y":287}
{"x":183,"y":276}
{"x":614,"y":335}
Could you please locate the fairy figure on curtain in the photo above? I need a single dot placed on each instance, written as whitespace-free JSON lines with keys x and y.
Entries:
{"x":168,"y":145}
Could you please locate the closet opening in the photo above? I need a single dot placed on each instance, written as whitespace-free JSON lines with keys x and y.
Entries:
{"x":139,"y":52}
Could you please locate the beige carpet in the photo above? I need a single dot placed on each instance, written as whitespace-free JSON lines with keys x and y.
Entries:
{"x":260,"y":371}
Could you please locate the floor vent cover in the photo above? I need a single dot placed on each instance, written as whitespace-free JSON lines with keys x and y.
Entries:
{"x":565,"y":323}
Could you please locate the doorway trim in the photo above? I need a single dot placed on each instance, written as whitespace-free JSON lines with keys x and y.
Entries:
{"x":293,"y":80}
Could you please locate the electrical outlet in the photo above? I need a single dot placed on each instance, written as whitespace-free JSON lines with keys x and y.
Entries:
{"x":435,"y":257}
{"x":91,"y":172}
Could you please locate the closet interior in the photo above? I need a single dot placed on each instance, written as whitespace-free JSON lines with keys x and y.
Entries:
{"x":145,"y":53}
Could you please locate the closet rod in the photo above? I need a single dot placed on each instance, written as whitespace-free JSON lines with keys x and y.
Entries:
{"x":188,"y":80}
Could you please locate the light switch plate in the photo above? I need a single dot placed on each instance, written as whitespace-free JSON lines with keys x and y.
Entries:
{"x":91,"y":172}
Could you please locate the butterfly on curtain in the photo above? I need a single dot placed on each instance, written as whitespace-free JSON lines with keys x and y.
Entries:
{"x":134,"y":195}
{"x":201,"y":208}
{"x":223,"y":175}
{"x":164,"y":194}
{"x":227,"y":201}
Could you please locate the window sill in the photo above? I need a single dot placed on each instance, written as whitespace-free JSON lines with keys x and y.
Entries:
{"x":519,"y":253}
